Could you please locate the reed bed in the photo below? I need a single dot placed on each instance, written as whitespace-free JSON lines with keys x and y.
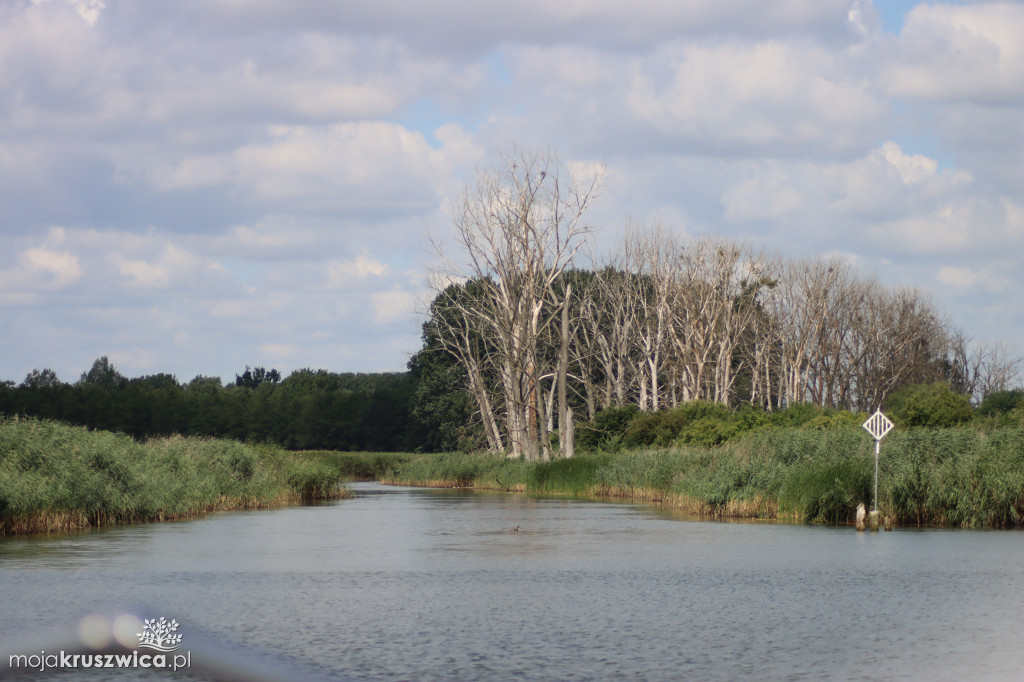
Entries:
{"x":357,"y":466}
{"x":56,"y":477}
{"x":946,"y":477}
{"x":462,"y":470}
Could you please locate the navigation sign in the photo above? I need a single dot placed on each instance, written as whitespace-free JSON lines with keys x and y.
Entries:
{"x":877,"y":425}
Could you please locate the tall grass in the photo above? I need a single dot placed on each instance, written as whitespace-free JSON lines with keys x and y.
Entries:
{"x":55,"y":477}
{"x":460,"y":470}
{"x":959,"y":477}
{"x":357,"y":466}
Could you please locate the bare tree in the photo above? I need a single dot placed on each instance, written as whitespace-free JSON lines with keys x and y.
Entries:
{"x":519,"y":227}
{"x":653,"y":257}
{"x":996,"y":369}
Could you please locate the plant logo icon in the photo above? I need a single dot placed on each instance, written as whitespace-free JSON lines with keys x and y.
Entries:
{"x":159,"y":635}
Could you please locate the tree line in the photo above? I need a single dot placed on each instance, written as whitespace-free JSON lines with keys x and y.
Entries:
{"x":308,"y":410}
{"x":536,"y":329}
{"x":531,"y":332}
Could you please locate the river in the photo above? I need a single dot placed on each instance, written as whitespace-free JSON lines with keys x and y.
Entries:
{"x":414,"y":584}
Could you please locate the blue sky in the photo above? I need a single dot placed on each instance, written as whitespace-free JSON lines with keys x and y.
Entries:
{"x":197,"y":186}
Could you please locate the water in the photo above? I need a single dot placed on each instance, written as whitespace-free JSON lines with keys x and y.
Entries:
{"x":414,"y":584}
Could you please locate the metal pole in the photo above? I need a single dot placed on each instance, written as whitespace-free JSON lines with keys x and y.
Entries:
{"x":877,"y":443}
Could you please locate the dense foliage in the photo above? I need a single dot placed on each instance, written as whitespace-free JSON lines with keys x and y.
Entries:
{"x":427,"y":409}
{"x":307,"y":410}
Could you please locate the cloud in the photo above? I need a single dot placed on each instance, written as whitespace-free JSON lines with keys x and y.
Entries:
{"x":250,"y":182}
{"x":342,"y":273}
{"x":920,"y":206}
{"x":349,"y":167}
{"x":460,"y":27}
{"x":62,"y":266}
{"x":89,"y":10}
{"x":711,"y":97}
{"x":390,"y":307}
{"x":968,"y":279}
{"x":949,"y":52}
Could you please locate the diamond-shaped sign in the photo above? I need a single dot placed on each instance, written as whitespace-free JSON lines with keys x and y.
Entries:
{"x":878,"y":425}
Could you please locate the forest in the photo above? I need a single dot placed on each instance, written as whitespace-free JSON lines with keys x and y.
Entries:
{"x":309,"y":409}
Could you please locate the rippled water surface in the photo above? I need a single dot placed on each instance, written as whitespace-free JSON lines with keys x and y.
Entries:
{"x":403,"y":583}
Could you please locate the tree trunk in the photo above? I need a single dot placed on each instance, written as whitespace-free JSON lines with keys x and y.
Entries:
{"x":564,"y":413}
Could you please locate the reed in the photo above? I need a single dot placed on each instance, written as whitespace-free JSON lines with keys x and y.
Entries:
{"x":952,"y":477}
{"x":55,"y":477}
{"x":461,"y":470}
{"x":358,"y":466}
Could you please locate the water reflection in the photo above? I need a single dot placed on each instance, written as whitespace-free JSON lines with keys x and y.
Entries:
{"x":404,"y":583}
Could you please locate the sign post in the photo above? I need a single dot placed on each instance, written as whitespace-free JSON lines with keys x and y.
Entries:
{"x":877,"y":425}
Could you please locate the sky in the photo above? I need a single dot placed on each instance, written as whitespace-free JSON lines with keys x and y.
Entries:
{"x":196,"y":186}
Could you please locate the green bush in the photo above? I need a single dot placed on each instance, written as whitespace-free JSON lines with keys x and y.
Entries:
{"x":643,"y":430}
{"x":1001,"y":402}
{"x":708,"y":431}
{"x":932,"y":405}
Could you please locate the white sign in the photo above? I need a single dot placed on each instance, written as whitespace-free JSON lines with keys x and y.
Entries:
{"x":878,"y":425}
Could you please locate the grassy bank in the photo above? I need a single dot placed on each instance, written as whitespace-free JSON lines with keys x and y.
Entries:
{"x":55,"y":477}
{"x":952,"y":477}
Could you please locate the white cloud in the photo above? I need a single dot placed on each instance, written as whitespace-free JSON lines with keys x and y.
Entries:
{"x":716,"y":97}
{"x":143,"y":274}
{"x":913,"y":169}
{"x":390,"y":307}
{"x":247,"y":183}
{"x":340,"y":273}
{"x":89,"y":10}
{"x":62,"y":266}
{"x":766,"y":196}
{"x":457,"y":27}
{"x":915,"y":201}
{"x":952,"y":52}
{"x":968,"y":279}
{"x":349,"y":166}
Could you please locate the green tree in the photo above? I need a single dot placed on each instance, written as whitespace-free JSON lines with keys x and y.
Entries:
{"x":252,"y":378}
{"x":37,"y":379}
{"x":103,"y":375}
{"x":1001,"y":402}
{"x":934,"y":405}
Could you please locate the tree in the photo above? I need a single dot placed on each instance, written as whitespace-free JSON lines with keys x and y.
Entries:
{"x":204,"y":384}
{"x":103,"y":375}
{"x":519,"y":227}
{"x":36,"y":380}
{"x":442,"y":400}
{"x":252,"y":378}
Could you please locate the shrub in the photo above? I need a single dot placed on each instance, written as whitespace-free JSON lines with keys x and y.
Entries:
{"x":608,"y":427}
{"x":643,"y":430}
{"x":933,"y":405}
{"x":1001,"y":402}
{"x":709,"y":431}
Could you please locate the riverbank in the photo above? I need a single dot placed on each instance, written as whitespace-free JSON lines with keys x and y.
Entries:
{"x":55,"y":477}
{"x":937,"y":477}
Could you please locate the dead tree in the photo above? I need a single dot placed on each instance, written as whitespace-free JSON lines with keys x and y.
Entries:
{"x":519,"y":227}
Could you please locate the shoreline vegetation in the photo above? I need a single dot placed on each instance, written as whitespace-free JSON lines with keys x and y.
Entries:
{"x":951,"y":477}
{"x":802,"y":465}
{"x":55,"y":477}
